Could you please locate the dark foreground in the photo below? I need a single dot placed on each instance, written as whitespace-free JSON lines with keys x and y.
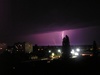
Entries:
{"x":79,"y":66}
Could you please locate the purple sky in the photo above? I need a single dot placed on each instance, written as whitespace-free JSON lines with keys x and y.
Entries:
{"x":44,"y":22}
{"x":81,"y":36}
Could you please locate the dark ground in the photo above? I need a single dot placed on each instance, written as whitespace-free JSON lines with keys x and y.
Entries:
{"x":79,"y":66}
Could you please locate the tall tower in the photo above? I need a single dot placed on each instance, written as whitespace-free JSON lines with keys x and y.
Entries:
{"x":66,"y":47}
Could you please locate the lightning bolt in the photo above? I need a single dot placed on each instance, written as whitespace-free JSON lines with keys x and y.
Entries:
{"x":62,"y":34}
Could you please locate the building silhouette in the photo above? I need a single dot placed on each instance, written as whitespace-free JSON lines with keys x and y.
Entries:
{"x":3,"y":47}
{"x":23,"y":47}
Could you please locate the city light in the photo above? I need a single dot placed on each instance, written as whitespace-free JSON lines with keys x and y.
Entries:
{"x":59,"y":51}
{"x":0,"y":48}
{"x":76,"y":53}
{"x":72,"y":52}
{"x":78,"y":50}
{"x":53,"y":54}
{"x":73,"y":56}
{"x":49,"y":51}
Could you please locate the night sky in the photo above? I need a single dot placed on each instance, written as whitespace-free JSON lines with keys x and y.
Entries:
{"x":47,"y":22}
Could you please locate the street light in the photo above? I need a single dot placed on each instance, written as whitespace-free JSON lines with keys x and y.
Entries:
{"x":72,"y":52}
{"x":78,"y":50}
{"x":59,"y":51}
{"x":49,"y":51}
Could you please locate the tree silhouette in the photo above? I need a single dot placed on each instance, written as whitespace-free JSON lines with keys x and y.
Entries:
{"x":66,"y":47}
{"x":95,"y":49}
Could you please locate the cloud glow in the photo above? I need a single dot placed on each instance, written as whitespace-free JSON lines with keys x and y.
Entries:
{"x":82,"y":36}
